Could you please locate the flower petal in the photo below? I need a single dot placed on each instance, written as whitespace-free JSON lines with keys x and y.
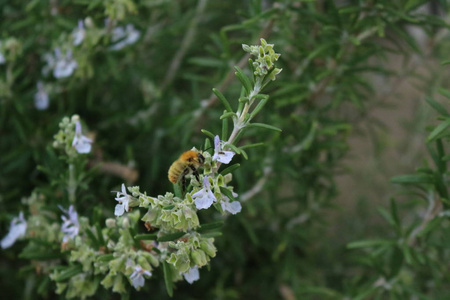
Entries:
{"x":192,"y":275}
{"x":119,"y":210}
{"x":204,"y":202}
{"x":17,"y":230}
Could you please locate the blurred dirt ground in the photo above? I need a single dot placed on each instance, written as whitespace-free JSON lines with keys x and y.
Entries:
{"x":388,"y":141}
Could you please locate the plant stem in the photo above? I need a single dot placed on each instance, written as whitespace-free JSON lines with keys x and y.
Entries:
{"x":72,"y":184}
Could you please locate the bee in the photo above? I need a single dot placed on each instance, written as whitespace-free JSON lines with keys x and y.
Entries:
{"x":186,"y":164}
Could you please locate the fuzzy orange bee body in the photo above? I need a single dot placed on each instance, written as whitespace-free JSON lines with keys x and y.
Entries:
{"x":186,"y":164}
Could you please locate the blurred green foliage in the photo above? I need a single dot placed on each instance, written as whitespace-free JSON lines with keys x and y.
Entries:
{"x":146,"y":103}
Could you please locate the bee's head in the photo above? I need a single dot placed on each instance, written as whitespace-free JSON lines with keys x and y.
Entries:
{"x":200,"y":158}
{"x":193,"y":157}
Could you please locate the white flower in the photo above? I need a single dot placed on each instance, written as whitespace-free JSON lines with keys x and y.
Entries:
{"x":137,"y":277}
{"x":78,"y":33}
{"x":41,"y":99}
{"x":70,"y":226}
{"x":233,"y":207}
{"x":81,"y":143}
{"x":17,"y":230}
{"x":123,"y":37}
{"x":205,"y":197}
{"x":220,"y":155}
{"x":124,"y":202}
{"x":62,"y":65}
{"x":192,"y":275}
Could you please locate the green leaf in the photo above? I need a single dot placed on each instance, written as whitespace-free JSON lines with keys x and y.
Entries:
{"x":396,"y":261}
{"x":438,"y":131}
{"x":414,"y":178}
{"x":369,"y":243}
{"x":177,"y":190}
{"x":168,"y":278}
{"x":431,"y":225}
{"x":259,"y":106}
{"x":243,"y":153}
{"x":210,"y":226}
{"x":230,"y":169}
{"x":93,"y":238}
{"x":444,"y":92}
{"x":125,"y":296}
{"x":223,"y":99}
{"x":309,"y":139}
{"x":144,"y":237}
{"x":386,"y":215}
{"x":44,"y":286}
{"x":41,"y":255}
{"x":227,"y":115}
{"x":168,"y":207}
{"x":224,"y":128}
{"x":266,"y":126}
{"x":212,"y":234}
{"x":244,"y":79}
{"x":251,"y":145}
{"x":437,"y":106}
{"x":171,"y":237}
{"x":105,"y":257}
{"x":208,"y":133}
{"x":69,"y":273}
{"x":207,"y":144}
{"x":100,"y":235}
{"x":394,"y":213}
{"x":227,"y":193}
{"x":318,"y":51}
{"x":249,"y":229}
{"x":206,"y":62}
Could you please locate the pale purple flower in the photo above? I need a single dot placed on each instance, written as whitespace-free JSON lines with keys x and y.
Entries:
{"x":219,"y":154}
{"x":41,"y":99}
{"x":124,"y":202}
{"x":70,"y":226}
{"x":2,"y":56}
{"x":137,"y":277}
{"x":65,"y":65}
{"x":17,"y":230}
{"x":81,"y":143}
{"x":122,"y":37}
{"x":78,"y":33}
{"x":205,"y":197}
{"x":192,"y":275}
{"x":62,"y":65}
{"x":233,"y":207}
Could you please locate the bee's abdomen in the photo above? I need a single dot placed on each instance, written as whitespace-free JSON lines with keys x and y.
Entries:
{"x":176,"y":169}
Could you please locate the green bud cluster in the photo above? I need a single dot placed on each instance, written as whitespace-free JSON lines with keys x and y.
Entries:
{"x":192,"y":250}
{"x":64,"y":138}
{"x":265,"y":59}
{"x":170,"y":213}
{"x":11,"y":48}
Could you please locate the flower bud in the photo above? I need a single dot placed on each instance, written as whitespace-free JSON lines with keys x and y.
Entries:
{"x":151,"y":259}
{"x":199,"y":258}
{"x":107,"y":282}
{"x":118,"y":286}
{"x":143,"y":262}
{"x":111,"y":223}
{"x":208,"y":247}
